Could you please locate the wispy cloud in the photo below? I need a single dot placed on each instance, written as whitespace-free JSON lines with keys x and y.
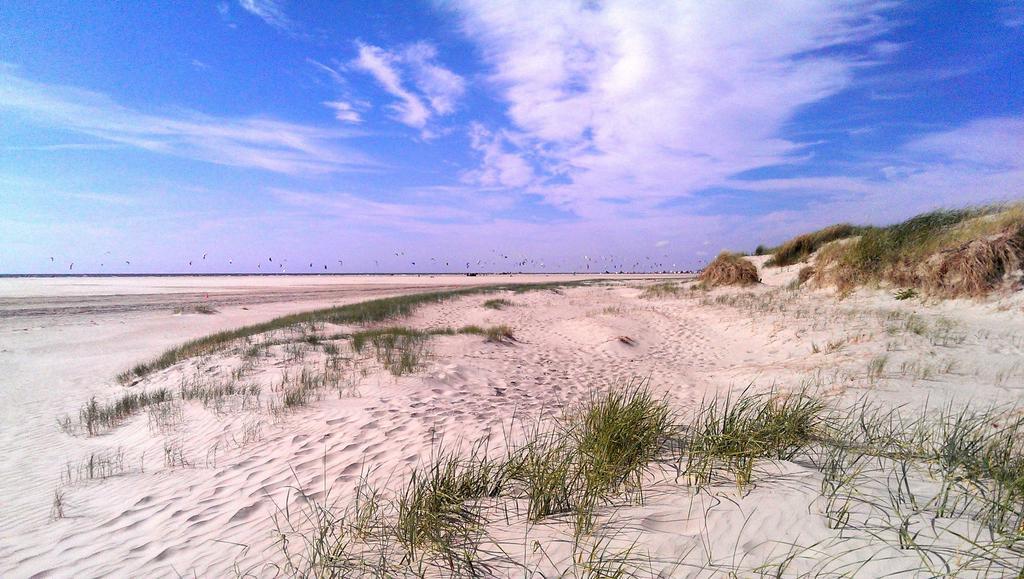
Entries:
{"x":434,"y":89}
{"x":344,"y":111}
{"x":256,"y":142}
{"x":366,"y":212}
{"x":382,"y":66}
{"x":978,"y":162}
{"x":441,"y":86}
{"x":271,"y":12}
{"x":653,"y":101}
{"x":498,"y":168}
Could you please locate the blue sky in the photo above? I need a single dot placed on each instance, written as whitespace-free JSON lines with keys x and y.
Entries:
{"x":544,"y":136}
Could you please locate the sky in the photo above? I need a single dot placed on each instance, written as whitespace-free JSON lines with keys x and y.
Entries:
{"x":272,"y":136}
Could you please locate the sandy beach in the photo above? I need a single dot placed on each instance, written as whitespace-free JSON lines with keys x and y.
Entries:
{"x":199,"y":488}
{"x":63,"y":340}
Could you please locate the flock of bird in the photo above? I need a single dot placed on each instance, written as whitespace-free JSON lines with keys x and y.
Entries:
{"x":499,"y":262}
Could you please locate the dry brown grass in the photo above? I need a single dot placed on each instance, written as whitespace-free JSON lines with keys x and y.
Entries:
{"x":805,"y":273}
{"x":974,"y":268}
{"x":729,"y":269}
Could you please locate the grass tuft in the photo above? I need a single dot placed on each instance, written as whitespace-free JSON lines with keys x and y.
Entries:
{"x":728,"y":434}
{"x":497,"y":304}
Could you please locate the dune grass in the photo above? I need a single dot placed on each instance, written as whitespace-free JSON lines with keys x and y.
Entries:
{"x":94,"y":417}
{"x":728,"y":434}
{"x":666,"y":289}
{"x":802,"y":246}
{"x":945,"y":253}
{"x":436,"y":518}
{"x":401,"y":349}
{"x":497,"y":304}
{"x":729,"y":269}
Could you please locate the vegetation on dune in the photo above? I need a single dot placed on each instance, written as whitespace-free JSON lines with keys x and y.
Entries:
{"x":902,"y":481}
{"x":665,"y":289}
{"x":731,"y":433}
{"x":729,"y":269}
{"x":367,"y":312}
{"x":945,"y":253}
{"x":594,"y":455}
{"x":96,"y":416}
{"x":799,"y":248}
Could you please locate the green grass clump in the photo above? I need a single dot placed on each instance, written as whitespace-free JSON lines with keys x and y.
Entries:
{"x":800,"y":247}
{"x":618,"y":435}
{"x":497,"y":304}
{"x":399,"y":350}
{"x":905,"y":294}
{"x":597,"y":452}
{"x":302,"y":389}
{"x":212,"y":394}
{"x":438,"y":512}
{"x":500,"y":334}
{"x":728,"y":434}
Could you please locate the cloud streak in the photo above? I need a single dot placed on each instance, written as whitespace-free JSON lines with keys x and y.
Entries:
{"x":271,"y":12}
{"x":259,"y":143}
{"x":432,"y":90}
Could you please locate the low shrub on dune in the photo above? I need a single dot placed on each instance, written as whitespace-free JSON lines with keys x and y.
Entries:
{"x":729,"y":269}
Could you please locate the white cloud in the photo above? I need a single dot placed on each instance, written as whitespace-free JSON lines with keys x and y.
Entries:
{"x":655,"y":100}
{"x":253,"y":142}
{"x":270,"y":11}
{"x":344,"y":111}
{"x":498,"y":168}
{"x":434,"y":89}
{"x":381,"y":64}
{"x":441,"y":86}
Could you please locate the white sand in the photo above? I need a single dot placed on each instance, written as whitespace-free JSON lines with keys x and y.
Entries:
{"x":62,"y":342}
